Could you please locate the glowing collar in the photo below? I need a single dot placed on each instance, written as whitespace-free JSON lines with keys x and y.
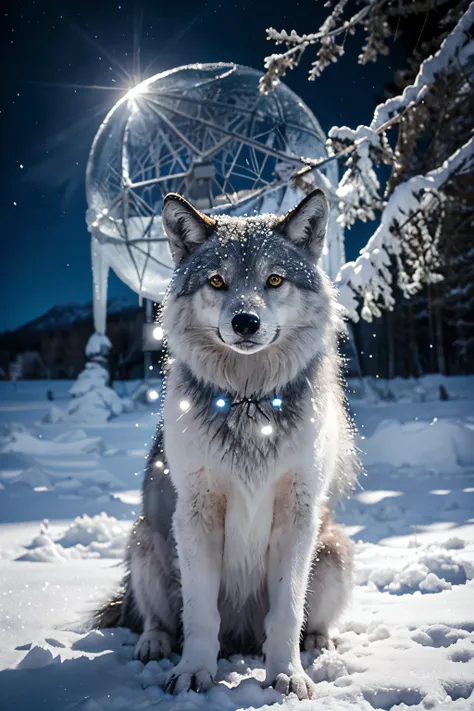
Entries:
{"x":225,"y":402}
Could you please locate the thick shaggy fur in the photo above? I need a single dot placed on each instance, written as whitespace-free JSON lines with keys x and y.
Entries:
{"x":237,"y":550}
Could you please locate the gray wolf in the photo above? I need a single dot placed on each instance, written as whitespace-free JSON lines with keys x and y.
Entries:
{"x":236,"y":550}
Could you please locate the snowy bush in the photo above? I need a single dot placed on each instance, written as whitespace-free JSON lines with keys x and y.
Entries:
{"x":92,"y":399}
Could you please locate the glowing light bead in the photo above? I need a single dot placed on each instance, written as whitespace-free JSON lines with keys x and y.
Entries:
{"x":277,"y":402}
{"x":152,"y":395}
{"x":266,"y":430}
{"x":184,"y":405}
{"x":158,"y":333}
{"x":220,"y":402}
{"x":159,"y":464}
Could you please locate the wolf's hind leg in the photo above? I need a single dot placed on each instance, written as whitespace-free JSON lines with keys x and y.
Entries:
{"x":330,"y":585}
{"x":150,"y":577}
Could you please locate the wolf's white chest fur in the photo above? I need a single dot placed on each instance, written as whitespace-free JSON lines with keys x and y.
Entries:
{"x":249,"y":509}
{"x":248,"y":525}
{"x":246,"y":509}
{"x":251,"y":519}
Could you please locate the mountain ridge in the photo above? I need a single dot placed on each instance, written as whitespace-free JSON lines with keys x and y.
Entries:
{"x":70,"y":313}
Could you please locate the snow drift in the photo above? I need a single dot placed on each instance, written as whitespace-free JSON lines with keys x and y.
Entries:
{"x":437,"y":444}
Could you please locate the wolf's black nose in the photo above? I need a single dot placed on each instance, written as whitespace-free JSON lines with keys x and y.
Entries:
{"x":246,"y":324}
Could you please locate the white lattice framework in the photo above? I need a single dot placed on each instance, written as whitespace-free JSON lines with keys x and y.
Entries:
{"x":204,"y":131}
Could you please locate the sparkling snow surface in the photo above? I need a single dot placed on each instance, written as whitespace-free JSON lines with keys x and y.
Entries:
{"x":68,"y":494}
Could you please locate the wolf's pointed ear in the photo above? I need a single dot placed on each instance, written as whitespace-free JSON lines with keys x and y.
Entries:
{"x":305,"y":225}
{"x":185,"y":227}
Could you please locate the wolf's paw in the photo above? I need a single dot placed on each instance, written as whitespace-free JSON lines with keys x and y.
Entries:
{"x":299,"y":684}
{"x":316,"y":641}
{"x":153,"y":644}
{"x":292,"y":680}
{"x":178,"y":681}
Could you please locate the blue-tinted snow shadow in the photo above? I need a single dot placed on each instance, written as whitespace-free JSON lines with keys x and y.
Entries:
{"x":391,"y":502}
{"x":22,"y":505}
{"x":113,"y":680}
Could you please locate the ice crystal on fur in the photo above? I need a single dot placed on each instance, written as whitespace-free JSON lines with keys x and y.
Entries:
{"x":237,"y":228}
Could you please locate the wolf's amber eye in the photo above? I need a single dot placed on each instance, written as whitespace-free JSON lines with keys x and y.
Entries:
{"x":274,"y":280}
{"x":216,"y":281}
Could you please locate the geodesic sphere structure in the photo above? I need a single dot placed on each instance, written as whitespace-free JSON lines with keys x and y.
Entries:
{"x":204,"y":131}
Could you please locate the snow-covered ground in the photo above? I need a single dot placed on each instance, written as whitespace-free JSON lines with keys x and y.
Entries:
{"x":68,"y":494}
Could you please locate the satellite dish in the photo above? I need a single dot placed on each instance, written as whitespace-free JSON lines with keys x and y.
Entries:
{"x":204,"y":131}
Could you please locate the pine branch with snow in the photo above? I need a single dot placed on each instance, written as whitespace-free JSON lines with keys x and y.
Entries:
{"x":375,"y":19}
{"x":412,"y":206}
{"x":456,"y":50}
{"x":406,"y":235}
{"x":359,"y":189}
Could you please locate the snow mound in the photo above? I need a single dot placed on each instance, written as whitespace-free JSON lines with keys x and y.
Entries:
{"x":66,"y":463}
{"x":26,"y":443}
{"x":438,"y":445}
{"x":438,"y":636}
{"x":426,"y":569}
{"x":429,"y":388}
{"x":54,"y":415}
{"x":9,"y":429}
{"x":328,"y":667}
{"x":38,"y":656}
{"x":100,"y":536}
{"x":93,"y":401}
{"x":18,"y":469}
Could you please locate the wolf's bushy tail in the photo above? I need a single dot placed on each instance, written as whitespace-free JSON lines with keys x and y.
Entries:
{"x":110,"y":613}
{"x":119,"y":611}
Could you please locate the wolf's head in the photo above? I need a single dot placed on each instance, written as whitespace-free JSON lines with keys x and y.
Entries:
{"x":248,"y":306}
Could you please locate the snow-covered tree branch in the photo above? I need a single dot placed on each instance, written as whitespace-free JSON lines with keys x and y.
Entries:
{"x":411,"y":207}
{"x":456,"y":49}
{"x":406,"y":235}
{"x":373,"y":18}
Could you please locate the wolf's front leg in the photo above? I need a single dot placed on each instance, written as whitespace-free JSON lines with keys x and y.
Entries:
{"x":289,"y":561}
{"x":199,"y":535}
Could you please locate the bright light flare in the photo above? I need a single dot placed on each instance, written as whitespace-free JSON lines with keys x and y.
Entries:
{"x":137,"y":90}
{"x":158,"y":333}
{"x":152,"y":395}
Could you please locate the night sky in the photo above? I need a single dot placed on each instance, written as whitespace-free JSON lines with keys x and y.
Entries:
{"x":53,"y":51}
